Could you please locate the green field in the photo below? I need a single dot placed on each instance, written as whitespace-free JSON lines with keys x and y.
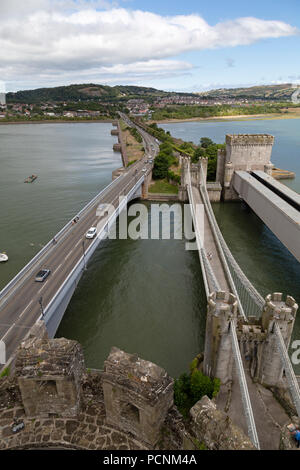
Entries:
{"x":163,"y":187}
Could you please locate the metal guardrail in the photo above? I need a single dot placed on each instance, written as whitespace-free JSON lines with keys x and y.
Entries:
{"x":198,"y":239}
{"x":251,"y":302}
{"x":288,"y":368}
{"x":208,"y":271}
{"x":46,"y":248}
{"x":252,"y":432}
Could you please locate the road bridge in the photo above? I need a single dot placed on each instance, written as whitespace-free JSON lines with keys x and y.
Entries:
{"x":23,"y":301}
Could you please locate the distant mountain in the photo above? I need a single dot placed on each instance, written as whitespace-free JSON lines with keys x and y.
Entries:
{"x":83,"y":92}
{"x":281,"y":92}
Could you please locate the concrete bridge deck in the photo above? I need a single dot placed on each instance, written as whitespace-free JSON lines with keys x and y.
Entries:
{"x":278,"y":214}
{"x":279,"y":188}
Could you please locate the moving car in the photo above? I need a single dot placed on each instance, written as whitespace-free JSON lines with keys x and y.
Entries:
{"x":42,"y":275}
{"x":91,"y":233}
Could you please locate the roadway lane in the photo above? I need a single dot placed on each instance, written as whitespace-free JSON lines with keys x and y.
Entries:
{"x":21,"y":310}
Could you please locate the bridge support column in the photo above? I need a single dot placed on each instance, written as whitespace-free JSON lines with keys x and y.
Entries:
{"x":182,"y":193}
{"x":145,"y":185}
{"x":218,"y":357}
{"x":283,"y":312}
{"x":203,"y":163}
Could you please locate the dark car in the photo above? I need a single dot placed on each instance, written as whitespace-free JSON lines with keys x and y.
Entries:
{"x":42,"y":275}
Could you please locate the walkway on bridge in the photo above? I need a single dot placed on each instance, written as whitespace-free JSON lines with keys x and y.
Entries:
{"x":211,"y":251}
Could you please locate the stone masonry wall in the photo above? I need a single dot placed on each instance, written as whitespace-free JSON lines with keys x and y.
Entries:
{"x":137,"y":412}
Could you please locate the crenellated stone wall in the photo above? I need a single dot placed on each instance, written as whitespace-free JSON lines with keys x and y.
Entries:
{"x":51,"y":401}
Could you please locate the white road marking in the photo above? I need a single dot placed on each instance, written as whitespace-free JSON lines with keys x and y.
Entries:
{"x":42,"y":288}
{"x":57,"y":268}
{"x":12,"y":326}
{"x":80,"y":241}
{"x":68,"y":256}
{"x":25,"y":309}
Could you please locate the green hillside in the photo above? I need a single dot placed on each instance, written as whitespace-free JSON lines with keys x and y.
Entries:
{"x":83,"y":92}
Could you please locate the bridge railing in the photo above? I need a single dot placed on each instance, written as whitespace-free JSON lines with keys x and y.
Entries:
{"x":288,"y":368}
{"x":22,"y":275}
{"x":105,"y":230}
{"x":214,"y":225}
{"x":252,"y":302}
{"x":252,"y":432}
{"x":198,"y":238}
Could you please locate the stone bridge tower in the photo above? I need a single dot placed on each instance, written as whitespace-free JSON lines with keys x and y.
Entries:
{"x":196,"y":175}
{"x":218,"y":357}
{"x":245,"y":152}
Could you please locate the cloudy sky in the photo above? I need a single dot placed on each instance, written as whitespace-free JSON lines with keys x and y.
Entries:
{"x":186,"y":45}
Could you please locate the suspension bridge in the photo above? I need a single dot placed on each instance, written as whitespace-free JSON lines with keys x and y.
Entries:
{"x":222,"y":274}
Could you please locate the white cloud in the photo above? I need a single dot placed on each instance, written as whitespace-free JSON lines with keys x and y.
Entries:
{"x":43,"y":38}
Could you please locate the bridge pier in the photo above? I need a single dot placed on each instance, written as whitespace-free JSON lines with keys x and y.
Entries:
{"x":198,"y":177}
{"x":218,"y":356}
{"x":145,"y":185}
{"x":182,"y":193}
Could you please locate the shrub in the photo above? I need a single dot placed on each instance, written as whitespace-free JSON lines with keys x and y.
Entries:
{"x":190,"y":388}
{"x":5,"y":372}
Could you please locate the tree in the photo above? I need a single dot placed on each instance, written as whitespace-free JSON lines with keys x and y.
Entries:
{"x":161,"y":166}
{"x":199,"y":152}
{"x":205,"y":142}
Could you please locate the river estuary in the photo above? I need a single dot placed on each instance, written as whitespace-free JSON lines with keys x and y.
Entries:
{"x":144,"y":296}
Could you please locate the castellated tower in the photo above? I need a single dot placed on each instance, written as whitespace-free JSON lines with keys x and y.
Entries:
{"x":245,"y":152}
{"x":222,"y":308}
{"x":283,"y":312}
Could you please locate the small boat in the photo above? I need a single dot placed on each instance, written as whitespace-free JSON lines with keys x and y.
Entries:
{"x":3,"y":257}
{"x":30,"y":179}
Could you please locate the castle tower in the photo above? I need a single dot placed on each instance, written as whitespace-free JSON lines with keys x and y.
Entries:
{"x":137,"y":395}
{"x":218,"y":358}
{"x":49,"y":372}
{"x":246,"y":152}
{"x":283,"y":312}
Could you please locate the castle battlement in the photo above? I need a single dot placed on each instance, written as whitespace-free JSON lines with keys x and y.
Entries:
{"x":249,"y":139}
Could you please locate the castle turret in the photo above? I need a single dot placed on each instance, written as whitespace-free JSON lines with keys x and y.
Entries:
{"x":283,"y":312}
{"x":218,"y":358}
{"x":244,"y":152}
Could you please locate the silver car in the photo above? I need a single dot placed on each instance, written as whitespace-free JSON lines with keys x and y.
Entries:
{"x":42,"y":275}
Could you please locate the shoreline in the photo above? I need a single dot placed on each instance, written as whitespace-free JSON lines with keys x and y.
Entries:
{"x":57,"y":121}
{"x":242,"y":117}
